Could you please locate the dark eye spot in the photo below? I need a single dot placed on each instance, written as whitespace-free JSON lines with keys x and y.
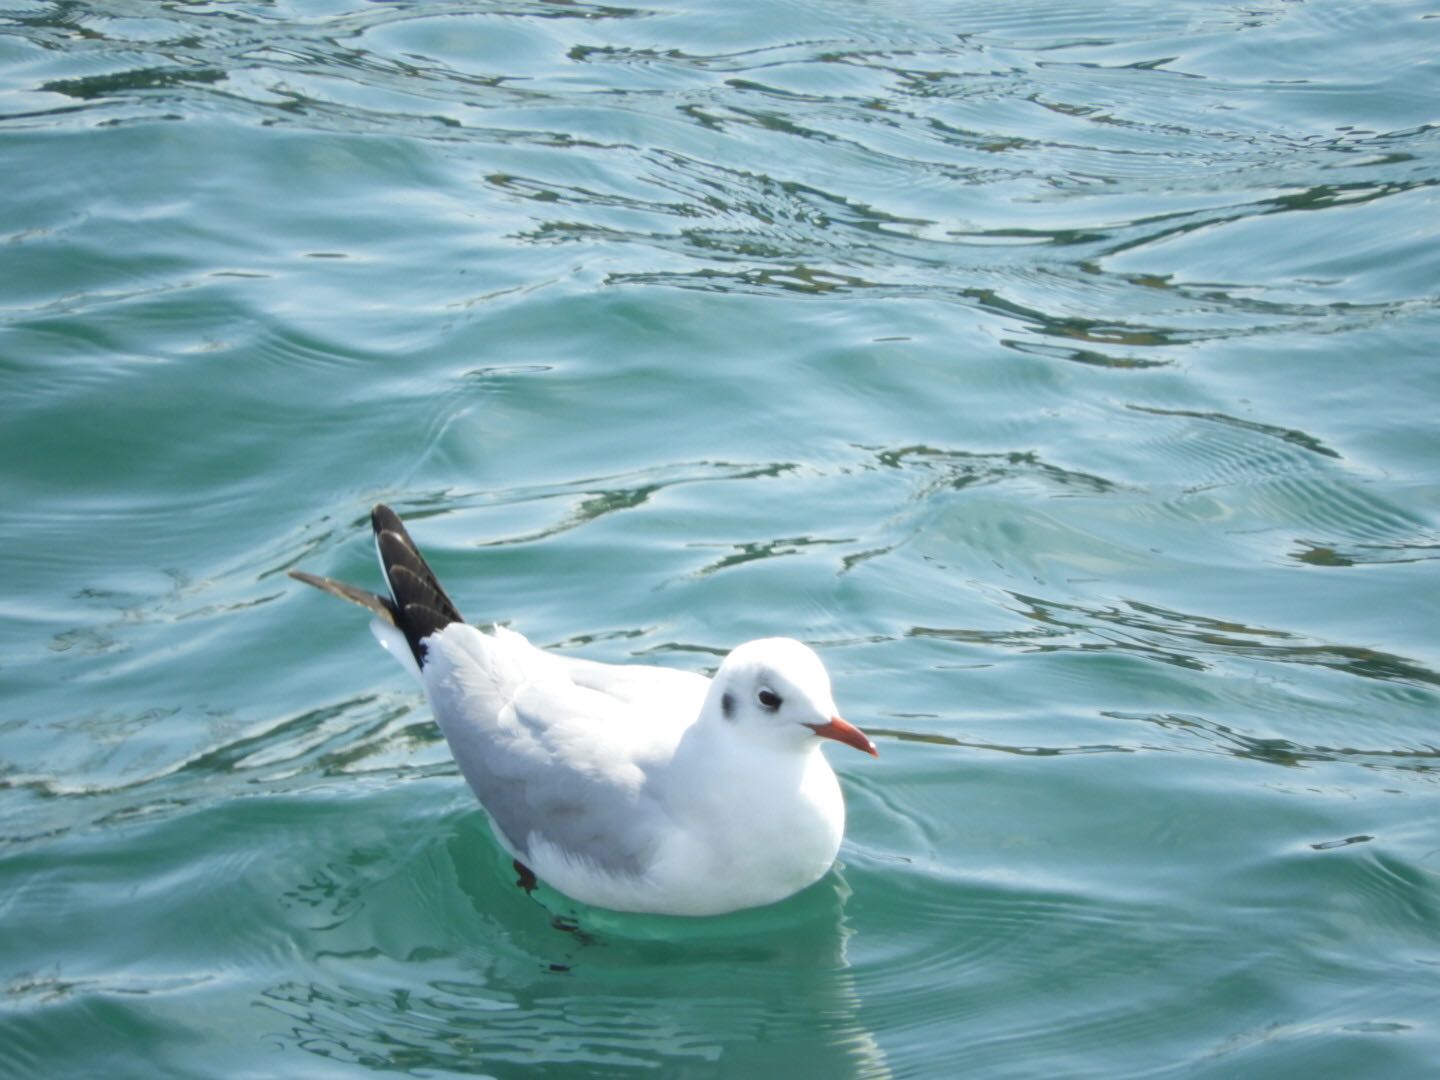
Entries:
{"x":768,"y":699}
{"x":727,"y":705}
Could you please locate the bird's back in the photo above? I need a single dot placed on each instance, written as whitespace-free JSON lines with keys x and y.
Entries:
{"x":558,"y":751}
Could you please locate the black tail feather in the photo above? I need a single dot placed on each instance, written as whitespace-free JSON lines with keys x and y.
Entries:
{"x":419,"y":604}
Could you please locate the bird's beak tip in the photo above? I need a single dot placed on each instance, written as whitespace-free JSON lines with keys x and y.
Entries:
{"x":842,"y":730}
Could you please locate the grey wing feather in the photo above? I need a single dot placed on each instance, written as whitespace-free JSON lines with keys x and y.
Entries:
{"x":550,"y":760}
{"x":644,"y":686}
{"x":597,"y":812}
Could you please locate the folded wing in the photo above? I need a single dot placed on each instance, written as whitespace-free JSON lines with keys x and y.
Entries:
{"x":557,"y":762}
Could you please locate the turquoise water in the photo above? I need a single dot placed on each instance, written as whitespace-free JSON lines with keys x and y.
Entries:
{"x":1065,"y":374}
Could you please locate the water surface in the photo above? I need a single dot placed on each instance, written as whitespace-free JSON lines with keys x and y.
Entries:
{"x":1064,"y":376}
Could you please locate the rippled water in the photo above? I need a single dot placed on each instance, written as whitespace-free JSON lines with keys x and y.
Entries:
{"x":1064,"y":373}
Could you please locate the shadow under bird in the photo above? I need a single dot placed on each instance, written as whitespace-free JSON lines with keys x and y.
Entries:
{"x":625,"y":786}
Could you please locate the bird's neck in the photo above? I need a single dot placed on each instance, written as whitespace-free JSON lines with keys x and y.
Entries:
{"x":725,"y":773}
{"x":771,"y":819}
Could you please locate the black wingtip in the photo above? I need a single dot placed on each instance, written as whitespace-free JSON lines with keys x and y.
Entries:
{"x":421,"y":606}
{"x":382,"y":517}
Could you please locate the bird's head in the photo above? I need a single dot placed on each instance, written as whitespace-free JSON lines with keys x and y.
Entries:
{"x":777,"y":690}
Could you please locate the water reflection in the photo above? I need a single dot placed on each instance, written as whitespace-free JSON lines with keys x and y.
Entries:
{"x":1136,"y":255}
{"x":1190,"y":640}
{"x":368,"y":737}
{"x":1198,"y":733}
{"x":1278,"y":751}
{"x":587,"y":500}
{"x":756,"y":990}
{"x":1315,"y":553}
{"x":751,"y":551}
{"x":959,"y":469}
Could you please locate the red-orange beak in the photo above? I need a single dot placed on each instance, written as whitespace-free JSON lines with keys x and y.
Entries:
{"x":846,"y":732}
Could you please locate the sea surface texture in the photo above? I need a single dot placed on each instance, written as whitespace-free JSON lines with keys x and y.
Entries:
{"x":1065,"y":373}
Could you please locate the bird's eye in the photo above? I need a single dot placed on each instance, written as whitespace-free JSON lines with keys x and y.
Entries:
{"x":768,"y":699}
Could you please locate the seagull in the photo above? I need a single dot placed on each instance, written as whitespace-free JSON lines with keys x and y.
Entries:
{"x":624,"y":786}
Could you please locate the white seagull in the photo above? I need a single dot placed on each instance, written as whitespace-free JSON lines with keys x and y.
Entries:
{"x":628,"y":787}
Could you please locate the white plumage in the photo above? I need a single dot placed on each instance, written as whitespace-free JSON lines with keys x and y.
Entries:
{"x":630,"y":787}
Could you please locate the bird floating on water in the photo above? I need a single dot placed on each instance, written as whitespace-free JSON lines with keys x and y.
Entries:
{"x":625,"y":786}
